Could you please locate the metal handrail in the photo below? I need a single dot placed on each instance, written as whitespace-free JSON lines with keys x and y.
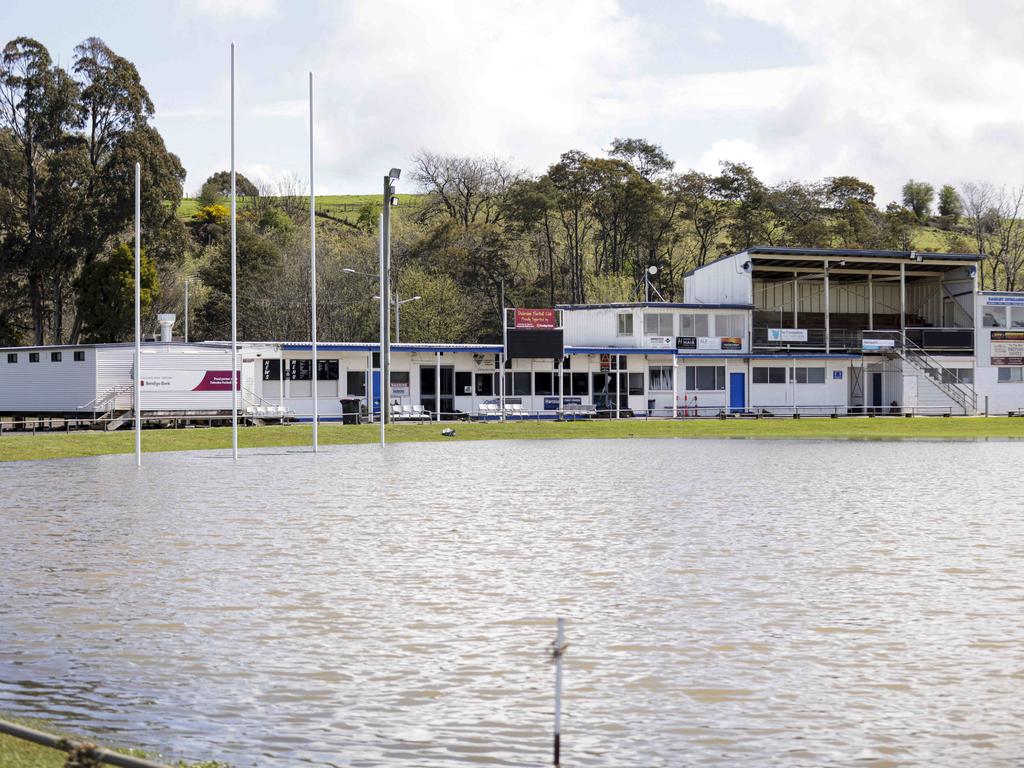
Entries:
{"x":106,"y":398}
{"x":962,"y":394}
{"x":76,"y":749}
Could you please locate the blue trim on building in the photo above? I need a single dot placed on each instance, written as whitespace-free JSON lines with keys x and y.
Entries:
{"x":747,"y":356}
{"x":367,"y":347}
{"x":617,"y":351}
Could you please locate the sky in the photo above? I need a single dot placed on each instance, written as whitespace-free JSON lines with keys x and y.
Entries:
{"x":799,"y":89}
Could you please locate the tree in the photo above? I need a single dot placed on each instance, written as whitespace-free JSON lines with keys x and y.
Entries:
{"x":649,"y":160}
{"x":918,"y":197}
{"x":469,"y":190}
{"x":217,"y":188}
{"x":704,"y":210}
{"x":950,"y":205}
{"x":107,"y":295}
{"x":573,"y":183}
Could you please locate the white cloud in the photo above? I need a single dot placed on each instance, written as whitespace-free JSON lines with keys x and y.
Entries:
{"x":232,"y":9}
{"x":912,"y":89}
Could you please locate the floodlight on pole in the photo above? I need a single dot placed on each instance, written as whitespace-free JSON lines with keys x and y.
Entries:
{"x":385,"y":291}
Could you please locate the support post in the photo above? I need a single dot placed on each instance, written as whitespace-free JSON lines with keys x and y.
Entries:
{"x":828,"y":335}
{"x":137,"y":391}
{"x":871,"y":303}
{"x":903,"y":298}
{"x":504,"y":351}
{"x":557,"y":652}
{"x":385,"y":294}
{"x":437,"y":386}
{"x":796,"y":301}
{"x":186,"y":311}
{"x":280,"y":373}
{"x":561,"y":394}
{"x":384,"y":331}
{"x":368,"y":384}
{"x":675,"y":387}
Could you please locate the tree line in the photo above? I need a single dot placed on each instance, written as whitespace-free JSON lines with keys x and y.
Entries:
{"x":584,"y":230}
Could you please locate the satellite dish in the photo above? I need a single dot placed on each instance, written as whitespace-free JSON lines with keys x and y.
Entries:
{"x":652,"y":270}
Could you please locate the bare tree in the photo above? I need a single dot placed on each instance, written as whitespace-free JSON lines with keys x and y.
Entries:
{"x":993,"y":217}
{"x":469,"y":190}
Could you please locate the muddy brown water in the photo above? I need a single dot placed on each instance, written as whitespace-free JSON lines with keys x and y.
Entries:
{"x":728,"y":603}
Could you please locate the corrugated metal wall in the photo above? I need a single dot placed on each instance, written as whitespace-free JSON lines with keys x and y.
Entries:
{"x":46,"y":386}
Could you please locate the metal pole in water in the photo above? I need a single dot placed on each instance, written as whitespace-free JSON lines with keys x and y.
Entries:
{"x":186,"y":311}
{"x":234,"y":278}
{"x":557,"y":651}
{"x":383,"y":331}
{"x":312,"y":274}
{"x":138,"y":320}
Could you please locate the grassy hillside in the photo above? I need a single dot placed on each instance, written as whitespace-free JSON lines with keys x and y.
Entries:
{"x":345,"y":207}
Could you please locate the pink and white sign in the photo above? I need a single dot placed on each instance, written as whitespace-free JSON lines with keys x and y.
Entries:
{"x":188,"y":381}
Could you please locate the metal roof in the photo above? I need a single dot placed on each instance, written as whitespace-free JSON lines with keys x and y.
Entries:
{"x":372,"y":346}
{"x":649,"y":305}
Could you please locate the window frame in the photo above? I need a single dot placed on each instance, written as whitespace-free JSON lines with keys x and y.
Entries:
{"x":659,"y":318}
{"x":79,"y":356}
{"x":620,"y":316}
{"x":661,"y":373}
{"x":12,"y":358}
{"x":33,"y":357}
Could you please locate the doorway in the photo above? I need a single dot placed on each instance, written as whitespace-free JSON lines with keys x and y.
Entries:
{"x":737,"y":392}
{"x":876,"y":391}
{"x":428,"y":384}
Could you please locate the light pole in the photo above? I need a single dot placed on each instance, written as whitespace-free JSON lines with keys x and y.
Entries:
{"x":186,"y":311}
{"x":369,"y":371}
{"x":390,"y":199}
{"x":398,"y":313}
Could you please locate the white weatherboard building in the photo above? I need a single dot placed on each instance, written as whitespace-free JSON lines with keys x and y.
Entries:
{"x":776,"y":330}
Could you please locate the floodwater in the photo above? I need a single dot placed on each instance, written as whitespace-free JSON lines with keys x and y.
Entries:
{"x":728,"y":603}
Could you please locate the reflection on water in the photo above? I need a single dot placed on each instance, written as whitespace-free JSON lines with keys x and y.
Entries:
{"x":728,"y":603}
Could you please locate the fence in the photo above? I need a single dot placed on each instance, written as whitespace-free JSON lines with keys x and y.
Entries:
{"x":81,"y":754}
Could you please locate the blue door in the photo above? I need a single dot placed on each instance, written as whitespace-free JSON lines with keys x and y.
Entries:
{"x":376,"y":391}
{"x":737,"y":392}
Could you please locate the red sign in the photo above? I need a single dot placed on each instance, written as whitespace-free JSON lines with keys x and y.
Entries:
{"x":535,"y":318}
{"x":217,"y":381}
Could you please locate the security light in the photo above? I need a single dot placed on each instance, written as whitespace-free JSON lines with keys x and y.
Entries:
{"x":394,"y":174}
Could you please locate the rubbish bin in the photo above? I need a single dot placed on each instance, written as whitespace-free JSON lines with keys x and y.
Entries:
{"x":350,"y":408}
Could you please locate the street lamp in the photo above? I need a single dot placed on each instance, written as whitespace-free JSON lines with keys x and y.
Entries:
{"x":398,"y":313}
{"x":390,"y":199}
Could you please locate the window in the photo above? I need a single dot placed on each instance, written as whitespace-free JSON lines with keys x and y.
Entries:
{"x":463,"y":383}
{"x":80,"y":356}
{"x":300,"y":370}
{"x":657,"y":324}
{"x":1017,"y":317}
{"x":326,"y":370}
{"x":809,"y":375}
{"x":579,"y":384}
{"x":484,"y":384}
{"x":543,"y":383}
{"x":995,"y":317}
{"x":271,"y":370}
{"x":731,"y":325}
{"x":705,"y":377}
{"x":635,"y":383}
{"x":55,"y":357}
{"x":625,"y":324}
{"x":401,"y":378}
{"x":521,"y":383}
{"x":33,"y":357}
{"x":770,"y":375}
{"x":958,"y":376}
{"x":355,"y":383}
{"x":12,"y":357}
{"x":375,"y":360}
{"x":693,"y":325}
{"x":1010,"y":375}
{"x":660,"y":378}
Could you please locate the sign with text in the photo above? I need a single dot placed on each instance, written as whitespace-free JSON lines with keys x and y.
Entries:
{"x":1007,"y":348}
{"x":731,"y":342}
{"x":837,"y":375}
{"x":661,"y":342}
{"x":188,"y":381}
{"x":709,"y":343}
{"x":535,"y":318}
{"x":551,"y":403}
{"x":1004,"y":301}
{"x":875,"y":345}
{"x":787,"y":334}
{"x":686,"y":342}
{"x":399,"y":390}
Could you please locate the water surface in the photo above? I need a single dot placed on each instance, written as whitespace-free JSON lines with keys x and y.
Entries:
{"x":729,"y":603}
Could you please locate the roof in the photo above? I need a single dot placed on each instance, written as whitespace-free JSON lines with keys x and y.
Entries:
{"x":858,"y":254}
{"x":649,"y":305}
{"x":373,"y":346}
{"x":115,"y":345}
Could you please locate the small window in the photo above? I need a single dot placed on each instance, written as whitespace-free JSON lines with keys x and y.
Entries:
{"x":770,"y":375}
{"x":705,"y":377}
{"x":660,"y":378}
{"x":580,"y":384}
{"x":733,"y":326}
{"x":355,"y":383}
{"x":625,"y":324}
{"x":33,"y":357}
{"x":375,"y":360}
{"x":994,"y":317}
{"x":694,"y":325}
{"x":401,"y":378}
{"x":271,"y":370}
{"x":809,"y":375}
{"x":326,"y":370}
{"x":300,"y":370}
{"x":543,"y":383}
{"x":484,"y":383}
{"x":55,"y":357}
{"x":12,"y":357}
{"x":1010,"y":375}
{"x":80,"y":356}
{"x":635,"y":383}
{"x":463,"y":383}
{"x":657,"y":324}
{"x":518,"y":383}
{"x":1017,"y":317}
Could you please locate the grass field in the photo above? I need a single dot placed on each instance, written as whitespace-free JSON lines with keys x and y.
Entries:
{"x":22,"y":447}
{"x":16,"y":753}
{"x":338,"y":206}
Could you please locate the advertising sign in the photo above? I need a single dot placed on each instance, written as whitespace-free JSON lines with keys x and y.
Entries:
{"x":1003,"y":301}
{"x":874,"y":345}
{"x":1007,"y":348}
{"x":535,"y":318}
{"x":551,"y":403}
{"x":686,"y":342}
{"x":484,"y":362}
{"x":188,"y":381}
{"x":662,"y":342}
{"x":400,"y":390}
{"x":787,"y":334}
{"x":837,"y":374}
{"x":731,"y":342}
{"x":709,"y":343}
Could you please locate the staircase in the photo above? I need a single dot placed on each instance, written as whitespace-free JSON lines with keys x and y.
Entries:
{"x":935,"y":376}
{"x":104,"y":408}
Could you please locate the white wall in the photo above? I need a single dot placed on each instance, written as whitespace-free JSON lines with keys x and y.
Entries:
{"x":722,"y":282}
{"x":46,"y":386}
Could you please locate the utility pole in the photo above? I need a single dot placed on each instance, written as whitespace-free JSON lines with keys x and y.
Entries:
{"x":385,"y":294}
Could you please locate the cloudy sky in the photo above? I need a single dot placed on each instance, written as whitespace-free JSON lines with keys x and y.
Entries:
{"x":800,"y":89}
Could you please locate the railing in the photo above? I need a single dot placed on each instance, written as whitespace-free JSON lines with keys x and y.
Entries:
{"x":105,"y":403}
{"x":951,"y":340}
{"x":80,"y":753}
